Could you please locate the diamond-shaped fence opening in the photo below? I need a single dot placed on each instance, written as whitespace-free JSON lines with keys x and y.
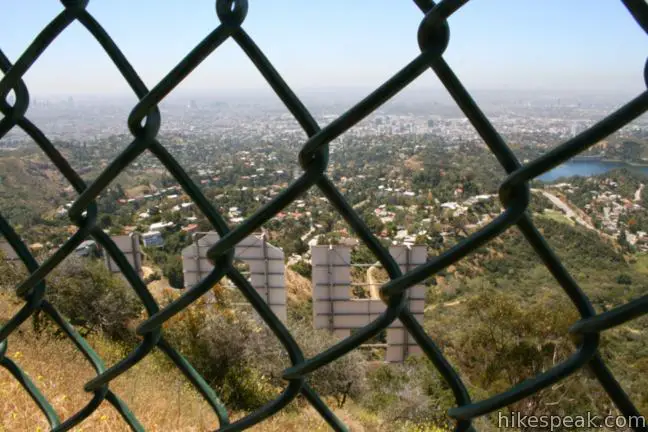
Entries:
{"x":144,"y":123}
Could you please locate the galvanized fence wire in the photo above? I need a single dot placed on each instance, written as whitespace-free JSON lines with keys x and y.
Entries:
{"x":144,"y":123}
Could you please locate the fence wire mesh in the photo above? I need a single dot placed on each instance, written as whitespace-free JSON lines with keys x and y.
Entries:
{"x":144,"y":123}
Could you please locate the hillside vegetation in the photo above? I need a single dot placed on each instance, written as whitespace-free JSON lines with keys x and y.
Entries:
{"x":237,"y":356}
{"x":30,"y":189}
{"x":498,"y":315}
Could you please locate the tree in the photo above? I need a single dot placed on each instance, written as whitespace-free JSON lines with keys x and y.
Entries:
{"x":295,"y":246}
{"x":91,"y":297}
{"x":105,"y":221}
{"x":303,"y":268}
{"x":373,"y":222}
{"x":172,"y":270}
{"x":624,"y":279}
{"x":623,"y":241}
{"x":244,"y":360}
{"x":362,"y":255}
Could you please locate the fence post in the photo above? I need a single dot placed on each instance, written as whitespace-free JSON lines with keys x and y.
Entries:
{"x":266,"y":270}
{"x":330,"y":289}
{"x":198,"y":257}
{"x":408,"y":261}
{"x":137,"y":256}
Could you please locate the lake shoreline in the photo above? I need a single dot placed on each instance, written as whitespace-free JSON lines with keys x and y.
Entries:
{"x":585,"y":166}
{"x":603,"y":160}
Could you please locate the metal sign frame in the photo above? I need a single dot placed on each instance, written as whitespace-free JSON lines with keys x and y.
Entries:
{"x":334,"y":309}
{"x":266,"y":263}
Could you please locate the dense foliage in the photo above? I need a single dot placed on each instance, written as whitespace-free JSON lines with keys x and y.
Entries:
{"x":244,"y":360}
{"x":84,"y":291}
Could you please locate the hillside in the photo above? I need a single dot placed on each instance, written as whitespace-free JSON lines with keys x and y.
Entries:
{"x":152,"y":390}
{"x":501,"y":317}
{"x":30,"y":188}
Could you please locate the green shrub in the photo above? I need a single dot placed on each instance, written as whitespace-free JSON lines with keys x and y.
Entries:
{"x":411,"y":392}
{"x":155,"y":276}
{"x":220,"y":344}
{"x":303,"y":268}
{"x":624,"y":279}
{"x":11,"y":273}
{"x":301,"y":312}
{"x":91,"y":297}
{"x":243,"y":359}
{"x":345,"y":377}
{"x":172,"y":270}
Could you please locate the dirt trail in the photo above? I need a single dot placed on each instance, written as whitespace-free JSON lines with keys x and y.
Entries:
{"x":374,"y":287}
{"x":157,"y":288}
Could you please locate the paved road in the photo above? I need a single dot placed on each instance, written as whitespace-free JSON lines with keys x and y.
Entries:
{"x":638,"y":193}
{"x":565,"y":208}
{"x":310,"y":231}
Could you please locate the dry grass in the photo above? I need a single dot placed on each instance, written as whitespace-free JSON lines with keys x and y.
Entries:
{"x":307,"y":419}
{"x":298,"y":288}
{"x":414,"y":164}
{"x":137,"y":191}
{"x":155,"y":391}
{"x":158,"y":394}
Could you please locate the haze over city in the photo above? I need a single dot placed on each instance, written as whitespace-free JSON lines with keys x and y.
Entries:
{"x":499,"y":45}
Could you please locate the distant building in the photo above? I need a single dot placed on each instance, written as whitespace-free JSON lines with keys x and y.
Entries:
{"x":190,"y":228}
{"x":160,"y":226}
{"x":153,"y":239}
{"x":450,"y":205}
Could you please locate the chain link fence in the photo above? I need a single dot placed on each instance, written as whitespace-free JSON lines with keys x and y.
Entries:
{"x":144,"y":124}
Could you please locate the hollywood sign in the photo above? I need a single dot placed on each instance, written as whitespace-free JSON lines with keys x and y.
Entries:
{"x":129,"y":245}
{"x":266,"y":263}
{"x":336,"y":310}
{"x":333,"y":306}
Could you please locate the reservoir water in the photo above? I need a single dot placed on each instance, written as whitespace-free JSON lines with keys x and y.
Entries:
{"x":588,"y":168}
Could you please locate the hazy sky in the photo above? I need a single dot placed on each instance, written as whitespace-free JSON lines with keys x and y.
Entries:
{"x":494,"y":44}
